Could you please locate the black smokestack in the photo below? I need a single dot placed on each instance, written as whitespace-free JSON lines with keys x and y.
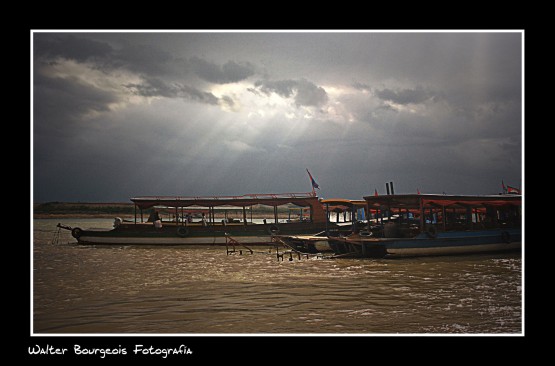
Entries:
{"x":392,"y":191}
{"x":387,"y":188}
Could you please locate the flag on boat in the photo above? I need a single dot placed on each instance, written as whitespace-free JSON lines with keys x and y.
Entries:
{"x":375,"y":192}
{"x":507,"y":189}
{"x":312,"y":181}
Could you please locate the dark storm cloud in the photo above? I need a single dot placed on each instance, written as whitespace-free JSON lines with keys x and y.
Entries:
{"x":71,"y":47}
{"x":229,"y":72}
{"x":227,"y":100}
{"x":361,"y":86}
{"x":305,"y":92}
{"x":59,"y":100}
{"x":309,"y":94}
{"x":117,"y":115}
{"x":254,"y":91}
{"x":143,"y":58}
{"x":163,"y":73}
{"x":283,"y":88}
{"x":404,"y":96}
{"x":147,"y":59}
{"x":154,"y":87}
{"x":198,"y":95}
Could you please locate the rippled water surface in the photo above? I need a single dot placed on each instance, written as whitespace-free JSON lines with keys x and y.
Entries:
{"x":133,"y":289}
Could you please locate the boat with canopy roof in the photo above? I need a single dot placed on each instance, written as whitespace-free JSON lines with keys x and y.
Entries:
{"x":408,"y":225}
{"x":215,"y":226}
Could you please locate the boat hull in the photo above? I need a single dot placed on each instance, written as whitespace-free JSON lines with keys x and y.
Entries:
{"x":192,"y":235}
{"x":306,"y":243}
{"x":448,"y":243}
{"x":153,"y":240}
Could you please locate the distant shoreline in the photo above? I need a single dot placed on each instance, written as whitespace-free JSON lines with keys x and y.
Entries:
{"x":80,"y":216}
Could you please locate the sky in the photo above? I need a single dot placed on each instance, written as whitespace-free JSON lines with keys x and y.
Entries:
{"x":120,"y":115}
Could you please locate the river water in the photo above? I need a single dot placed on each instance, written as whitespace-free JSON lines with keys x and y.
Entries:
{"x":133,"y":289}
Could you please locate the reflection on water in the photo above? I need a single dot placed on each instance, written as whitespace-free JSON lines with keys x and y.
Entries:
{"x":133,"y":289}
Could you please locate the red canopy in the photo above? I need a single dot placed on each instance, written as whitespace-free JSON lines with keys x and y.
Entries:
{"x":435,"y":200}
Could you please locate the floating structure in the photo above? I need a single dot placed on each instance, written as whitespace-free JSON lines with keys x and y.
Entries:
{"x":431,"y":224}
{"x":183,"y":229}
{"x":349,"y":217}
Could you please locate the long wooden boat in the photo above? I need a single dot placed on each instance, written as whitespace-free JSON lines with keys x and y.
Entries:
{"x":423,"y":225}
{"x":212,"y":229}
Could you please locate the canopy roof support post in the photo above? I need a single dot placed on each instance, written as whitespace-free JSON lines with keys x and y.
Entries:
{"x":353,"y":218}
{"x":141,"y":215}
{"x":368,"y":215}
{"x":444,"y":218}
{"x":135,"y":209}
{"x":244,"y":215}
{"x":469,"y":217}
{"x":422,"y":218}
{"x":275,"y":215}
{"x":327,"y":217}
